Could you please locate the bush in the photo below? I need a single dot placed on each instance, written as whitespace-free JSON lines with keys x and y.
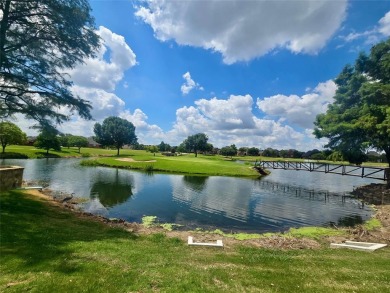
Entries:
{"x":12,"y":155}
{"x":90,"y":163}
{"x":149,"y":168}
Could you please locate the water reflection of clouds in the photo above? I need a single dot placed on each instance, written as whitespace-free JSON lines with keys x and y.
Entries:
{"x":230,"y":198}
{"x":318,"y":181}
{"x":290,"y":209}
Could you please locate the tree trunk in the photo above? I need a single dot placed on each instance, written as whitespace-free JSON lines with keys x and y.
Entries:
{"x":79,"y":150}
{"x":118,"y":152}
{"x":3,"y":148}
{"x":3,"y":31}
{"x":387,"y":152}
{"x":196,"y":154}
{"x":387,"y":171}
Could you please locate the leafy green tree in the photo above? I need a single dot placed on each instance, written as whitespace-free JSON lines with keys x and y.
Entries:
{"x":11,"y":134}
{"x":39,"y":41}
{"x":153,"y":149}
{"x":359,"y":117}
{"x":253,"y":151}
{"x":196,"y":143}
{"x":318,"y":156}
{"x":116,"y":132}
{"x":242,"y":151}
{"x":228,"y":151}
{"x":335,"y":156}
{"x":78,"y":141}
{"x":164,"y":147}
{"x":64,"y":140}
{"x":270,"y":152}
{"x":47,"y":140}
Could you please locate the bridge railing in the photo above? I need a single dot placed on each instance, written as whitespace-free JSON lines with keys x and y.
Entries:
{"x":348,"y":170}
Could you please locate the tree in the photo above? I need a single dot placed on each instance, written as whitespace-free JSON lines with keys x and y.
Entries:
{"x":116,"y":132}
{"x":270,"y":152}
{"x":164,"y":147}
{"x":64,"y":140}
{"x":153,"y":149}
{"x":11,"y":134}
{"x":47,"y":140}
{"x":228,"y":151}
{"x":196,"y":143}
{"x":78,"y":141}
{"x":253,"y":151}
{"x":39,"y":41}
{"x":242,"y":151}
{"x":359,"y":118}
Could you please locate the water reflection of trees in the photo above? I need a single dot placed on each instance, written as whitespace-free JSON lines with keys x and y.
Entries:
{"x":111,"y":191}
{"x":350,"y":221}
{"x":196,"y":183}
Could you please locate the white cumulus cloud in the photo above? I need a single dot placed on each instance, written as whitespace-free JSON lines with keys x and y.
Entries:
{"x":384,"y":25}
{"x":189,"y":84}
{"x":299,"y":110}
{"x":233,"y":121}
{"x":101,"y":73}
{"x":243,"y":30}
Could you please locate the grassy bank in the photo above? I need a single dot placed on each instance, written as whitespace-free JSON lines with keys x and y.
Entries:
{"x":184,"y":164}
{"x":30,"y":152}
{"x":45,"y":248}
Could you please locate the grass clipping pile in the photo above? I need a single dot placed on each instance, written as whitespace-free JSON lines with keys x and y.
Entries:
{"x":374,"y":193}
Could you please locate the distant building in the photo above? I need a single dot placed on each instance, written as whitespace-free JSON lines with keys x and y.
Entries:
{"x":92,"y":143}
{"x":31,"y":140}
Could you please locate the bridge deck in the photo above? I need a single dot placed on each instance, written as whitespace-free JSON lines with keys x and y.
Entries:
{"x":348,"y":170}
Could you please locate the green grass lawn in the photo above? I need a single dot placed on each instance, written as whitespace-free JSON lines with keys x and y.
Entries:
{"x":31,"y":152}
{"x":44,"y":248}
{"x":185,"y":164}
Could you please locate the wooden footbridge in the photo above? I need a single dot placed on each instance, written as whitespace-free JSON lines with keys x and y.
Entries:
{"x":348,"y":170}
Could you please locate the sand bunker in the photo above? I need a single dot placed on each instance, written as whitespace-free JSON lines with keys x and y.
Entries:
{"x":134,"y":161}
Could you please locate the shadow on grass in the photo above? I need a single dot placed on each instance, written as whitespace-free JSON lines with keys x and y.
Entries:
{"x":40,"y":235}
{"x":13,"y":155}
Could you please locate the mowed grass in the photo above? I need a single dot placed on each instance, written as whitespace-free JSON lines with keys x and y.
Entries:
{"x":184,"y":164}
{"x":32,"y":152}
{"x":44,"y":248}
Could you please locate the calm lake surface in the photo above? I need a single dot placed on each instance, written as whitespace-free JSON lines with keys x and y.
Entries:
{"x":276,"y":202}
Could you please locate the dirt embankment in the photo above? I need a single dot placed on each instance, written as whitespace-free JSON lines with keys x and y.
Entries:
{"x":370,"y":193}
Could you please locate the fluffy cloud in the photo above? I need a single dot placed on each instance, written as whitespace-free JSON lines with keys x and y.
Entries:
{"x":243,"y":30}
{"x":189,"y":84}
{"x":299,"y":111}
{"x":233,"y":121}
{"x":94,"y":81}
{"x":102,"y":74}
{"x":373,"y":35}
{"x":146,"y":133}
{"x":384,"y":25}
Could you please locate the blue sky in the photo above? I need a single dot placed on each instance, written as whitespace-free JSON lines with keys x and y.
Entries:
{"x":252,"y":73}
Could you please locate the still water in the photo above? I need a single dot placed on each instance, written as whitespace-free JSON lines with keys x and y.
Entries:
{"x":277,"y":202}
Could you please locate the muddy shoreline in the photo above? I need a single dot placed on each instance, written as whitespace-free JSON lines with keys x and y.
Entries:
{"x":373,"y":194}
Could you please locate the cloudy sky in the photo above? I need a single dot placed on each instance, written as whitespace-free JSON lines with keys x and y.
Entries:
{"x":252,"y":73}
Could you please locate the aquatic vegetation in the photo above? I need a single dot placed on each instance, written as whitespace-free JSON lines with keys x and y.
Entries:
{"x":314,"y":232}
{"x":371,"y":224}
{"x":149,"y":221}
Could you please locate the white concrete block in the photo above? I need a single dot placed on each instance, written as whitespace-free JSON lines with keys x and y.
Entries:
{"x":364,"y":246}
{"x":191,"y":242}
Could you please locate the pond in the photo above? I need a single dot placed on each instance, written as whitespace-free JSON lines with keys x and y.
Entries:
{"x":274,"y":203}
